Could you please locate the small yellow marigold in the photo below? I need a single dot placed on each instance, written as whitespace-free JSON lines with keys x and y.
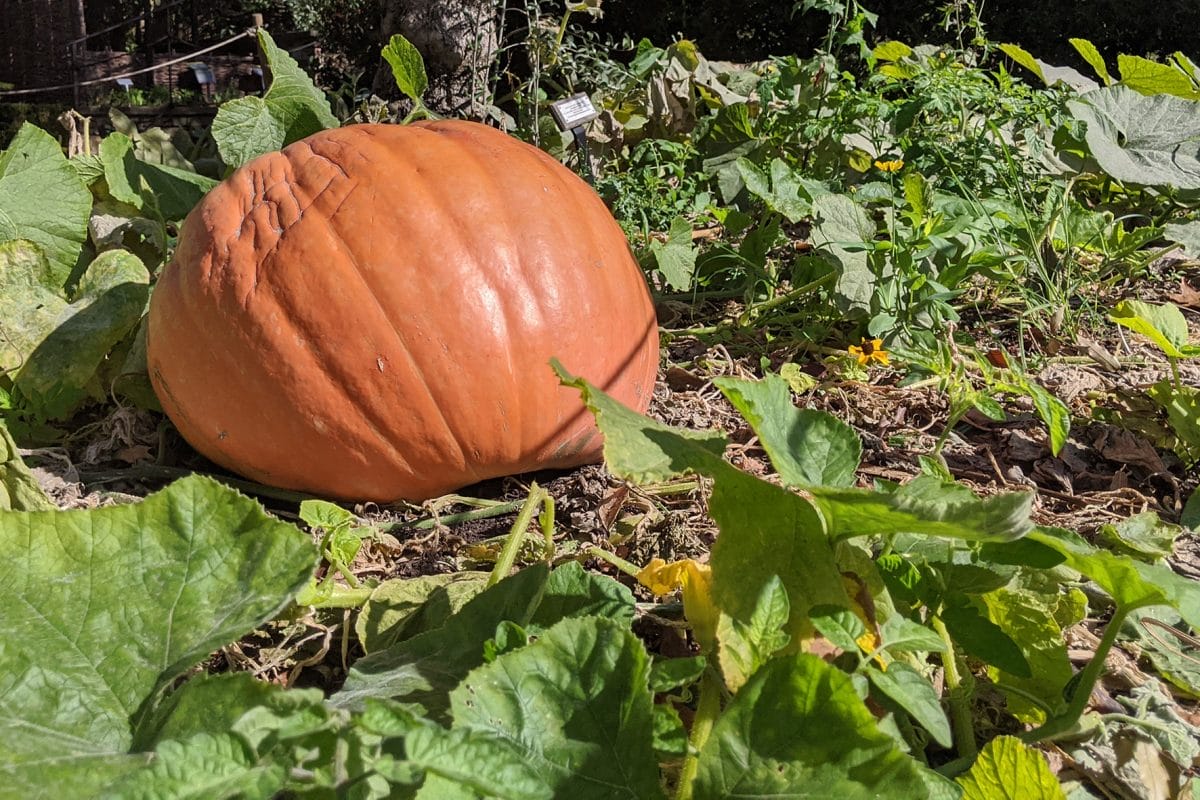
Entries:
{"x":890,"y":166}
{"x":870,"y":350}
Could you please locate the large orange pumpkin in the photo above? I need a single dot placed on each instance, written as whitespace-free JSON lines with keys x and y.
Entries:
{"x":369,"y":314}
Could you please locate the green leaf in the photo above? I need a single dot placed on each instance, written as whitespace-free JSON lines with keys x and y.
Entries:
{"x":1186,"y":234}
{"x":667,"y":674}
{"x":1182,"y":404}
{"x":1143,"y":536}
{"x":248,"y":127}
{"x":842,"y":228}
{"x":19,"y":490}
{"x":676,"y":258}
{"x":1150,"y":78}
{"x":744,"y":647}
{"x":902,"y":635}
{"x":572,"y":591}
{"x":1027,"y":618}
{"x":420,"y":672}
{"x":1132,"y":584}
{"x":891,"y":51}
{"x":980,"y":637}
{"x":1190,"y":518}
{"x":1008,"y":769}
{"x":209,"y":766}
{"x":1092,"y":56}
{"x":799,"y":729}
{"x":918,"y":193}
{"x":781,"y":189}
{"x":1052,"y":411}
{"x":403,"y":607}
{"x":325,"y":515}
{"x":42,"y":199}
{"x":1025,"y":59}
{"x":407,"y":67}
{"x":840,"y":626}
{"x":766,"y":531}
{"x":1162,"y":324}
{"x":670,"y":737}
{"x":576,"y":704}
{"x":910,"y":691}
{"x":483,"y":762}
{"x":292,"y":109}
{"x":925,"y":506}
{"x":55,"y":344}
{"x":205,"y":704}
{"x":807,"y":447}
{"x":1145,"y":141}
{"x":143,"y":593}
{"x":170,"y":191}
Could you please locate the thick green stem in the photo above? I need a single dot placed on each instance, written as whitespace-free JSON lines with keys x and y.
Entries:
{"x":333,"y":596}
{"x":614,"y":559}
{"x":775,"y":302}
{"x":497,"y":510}
{"x":1069,"y":718}
{"x":1174,"y":362}
{"x":958,"y":696}
{"x":508,"y":556}
{"x":708,"y":708}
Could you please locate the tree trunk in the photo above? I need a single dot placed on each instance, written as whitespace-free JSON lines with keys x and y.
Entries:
{"x":458,"y":39}
{"x":80,"y":26}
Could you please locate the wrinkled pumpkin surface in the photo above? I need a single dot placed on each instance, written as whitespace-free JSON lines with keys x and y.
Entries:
{"x":369,"y":314}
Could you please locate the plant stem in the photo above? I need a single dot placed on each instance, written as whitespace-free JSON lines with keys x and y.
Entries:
{"x":707,"y":710}
{"x":508,"y":555}
{"x":614,"y":559}
{"x":1083,"y":687}
{"x":958,"y":696}
{"x":786,"y":297}
{"x":339,"y":597}
{"x":486,"y":512}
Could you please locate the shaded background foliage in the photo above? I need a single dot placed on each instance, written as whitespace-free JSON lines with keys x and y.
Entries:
{"x":744,"y":30}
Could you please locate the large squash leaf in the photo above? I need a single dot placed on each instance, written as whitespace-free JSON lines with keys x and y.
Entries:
{"x":170,"y":191}
{"x":1008,"y":769}
{"x":575,"y":705}
{"x":52,"y":342}
{"x":799,"y":729}
{"x":43,"y":199}
{"x":1143,"y":140}
{"x":420,"y":672}
{"x":105,"y":607}
{"x":19,"y":490}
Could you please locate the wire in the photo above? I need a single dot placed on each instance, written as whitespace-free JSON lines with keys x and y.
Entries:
{"x":209,"y":49}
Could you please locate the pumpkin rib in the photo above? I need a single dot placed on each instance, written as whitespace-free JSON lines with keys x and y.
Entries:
{"x":402,"y":345}
{"x":453,"y":436}
{"x":324,"y":362}
{"x":477,"y":276}
{"x":513,"y":373}
{"x":525,"y":162}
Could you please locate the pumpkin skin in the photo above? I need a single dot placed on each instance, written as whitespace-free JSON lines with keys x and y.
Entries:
{"x":369,"y":314}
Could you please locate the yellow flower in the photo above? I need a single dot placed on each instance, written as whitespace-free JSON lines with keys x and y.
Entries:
{"x":890,"y":166}
{"x":696,"y":581}
{"x":863,"y":607}
{"x":870,"y":350}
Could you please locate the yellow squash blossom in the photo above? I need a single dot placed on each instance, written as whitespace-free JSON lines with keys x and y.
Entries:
{"x":870,"y":350}
{"x":894,"y":165}
{"x":696,"y":581}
